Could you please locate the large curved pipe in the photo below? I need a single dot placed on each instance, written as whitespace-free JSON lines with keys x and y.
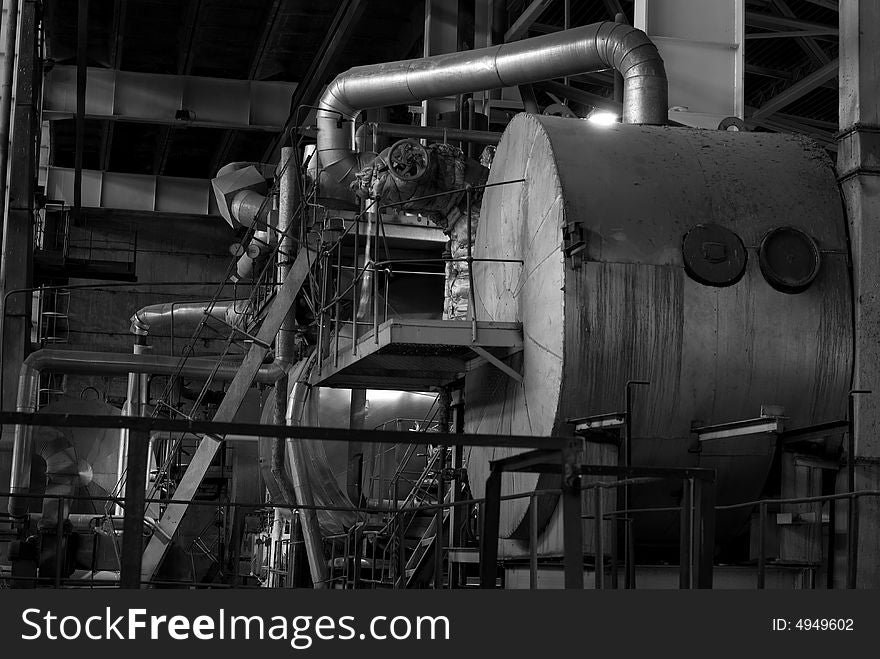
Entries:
{"x":100,"y":363}
{"x":605,"y":45}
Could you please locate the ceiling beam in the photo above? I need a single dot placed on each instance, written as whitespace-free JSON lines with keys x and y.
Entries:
{"x":768,"y":21}
{"x":530,"y":14}
{"x":770,"y":72}
{"x":184,"y":67}
{"x":790,"y":34}
{"x":347,"y":16}
{"x":812,"y":49}
{"x":798,"y":90}
{"x":120,"y":8}
{"x":221,"y":155}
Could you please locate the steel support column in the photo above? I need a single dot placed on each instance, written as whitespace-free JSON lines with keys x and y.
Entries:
{"x":17,"y":253}
{"x":858,"y":166}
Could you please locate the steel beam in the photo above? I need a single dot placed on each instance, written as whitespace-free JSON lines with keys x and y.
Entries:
{"x":16,"y":261}
{"x":82,"y":56}
{"x":798,"y":90}
{"x":156,"y":98}
{"x":812,"y":49}
{"x":770,"y":22}
{"x":530,"y":14}
{"x":228,"y":408}
{"x":306,"y":93}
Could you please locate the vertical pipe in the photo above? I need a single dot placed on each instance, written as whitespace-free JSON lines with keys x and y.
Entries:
{"x":853,"y":572}
{"x":533,"y":541}
{"x":618,"y":76}
{"x":832,"y":523}
{"x":599,"y":541}
{"x":628,"y":569}
{"x":470,"y":265}
{"x":852,"y":510}
{"x":572,"y":535}
{"x":443,"y":404}
{"x":354,"y":279}
{"x":400,"y":581}
{"x":489,"y":535}
{"x":704,"y":539}
{"x":337,"y":307}
{"x":133,"y":524}
{"x":285,"y":340}
{"x":82,"y":55}
{"x":685,"y":539}
{"x":762,"y":532}
{"x":378,"y":220}
{"x":275,"y":548}
{"x":59,"y":541}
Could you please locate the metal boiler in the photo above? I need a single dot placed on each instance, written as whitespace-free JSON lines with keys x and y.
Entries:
{"x":712,"y":264}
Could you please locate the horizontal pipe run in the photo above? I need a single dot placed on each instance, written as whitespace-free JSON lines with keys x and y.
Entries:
{"x":184,"y":316}
{"x":429,"y":132}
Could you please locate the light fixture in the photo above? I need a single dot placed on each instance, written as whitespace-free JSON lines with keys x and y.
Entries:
{"x":602,"y":118}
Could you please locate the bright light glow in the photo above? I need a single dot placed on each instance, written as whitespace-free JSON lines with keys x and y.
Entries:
{"x":603,"y":118}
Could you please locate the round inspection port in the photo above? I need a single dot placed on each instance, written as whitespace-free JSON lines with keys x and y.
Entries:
{"x":713,"y":255}
{"x":789,"y":259}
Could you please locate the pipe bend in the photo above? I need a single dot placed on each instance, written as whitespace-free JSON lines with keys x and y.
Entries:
{"x":579,"y":50}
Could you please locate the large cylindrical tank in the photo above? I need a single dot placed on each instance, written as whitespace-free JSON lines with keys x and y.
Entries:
{"x":716,"y":339}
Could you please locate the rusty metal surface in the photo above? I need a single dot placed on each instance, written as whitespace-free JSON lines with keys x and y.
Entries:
{"x":629,"y":311}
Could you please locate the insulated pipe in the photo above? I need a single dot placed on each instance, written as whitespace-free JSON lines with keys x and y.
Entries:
{"x":248,"y":206}
{"x":99,"y":363}
{"x":184,"y":315}
{"x":285,"y":341}
{"x":605,"y":45}
{"x":301,"y":481}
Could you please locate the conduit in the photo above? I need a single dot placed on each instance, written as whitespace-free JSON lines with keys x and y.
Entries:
{"x":605,"y":45}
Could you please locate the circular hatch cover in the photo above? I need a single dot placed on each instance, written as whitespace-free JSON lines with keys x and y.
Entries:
{"x":713,"y":255}
{"x":789,"y":259}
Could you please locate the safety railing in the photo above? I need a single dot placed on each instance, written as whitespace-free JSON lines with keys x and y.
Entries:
{"x":358,"y":280}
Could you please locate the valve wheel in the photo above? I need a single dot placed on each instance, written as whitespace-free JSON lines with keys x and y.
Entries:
{"x":408,"y":160}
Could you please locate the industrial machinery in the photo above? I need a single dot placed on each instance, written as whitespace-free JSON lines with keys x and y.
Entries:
{"x":670,"y":296}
